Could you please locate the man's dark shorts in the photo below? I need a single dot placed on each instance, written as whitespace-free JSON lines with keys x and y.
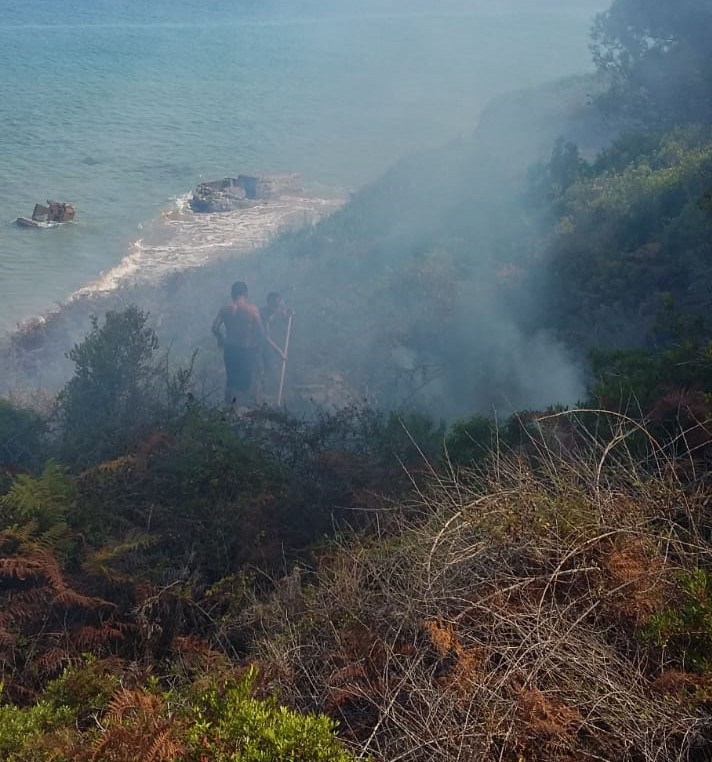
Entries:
{"x":240,"y":365}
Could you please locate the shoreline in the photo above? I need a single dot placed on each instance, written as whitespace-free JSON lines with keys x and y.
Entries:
{"x":184,"y":248}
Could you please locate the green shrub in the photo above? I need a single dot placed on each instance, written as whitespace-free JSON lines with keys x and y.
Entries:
{"x":19,"y":728}
{"x":118,"y":390}
{"x":684,"y":628}
{"x":470,"y":441}
{"x":82,"y":690}
{"x":229,"y":725}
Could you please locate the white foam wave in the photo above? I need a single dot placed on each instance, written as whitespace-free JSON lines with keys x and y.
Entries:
{"x":181,"y":239}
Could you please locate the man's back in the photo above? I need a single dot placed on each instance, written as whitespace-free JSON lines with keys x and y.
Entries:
{"x":243,"y":327}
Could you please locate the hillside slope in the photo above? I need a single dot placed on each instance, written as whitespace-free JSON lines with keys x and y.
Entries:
{"x":413,"y":293}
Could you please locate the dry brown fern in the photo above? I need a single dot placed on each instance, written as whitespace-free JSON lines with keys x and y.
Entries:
{"x":136,"y":726}
{"x":45,"y":619}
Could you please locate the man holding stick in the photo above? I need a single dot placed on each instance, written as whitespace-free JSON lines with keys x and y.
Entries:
{"x":274,"y":313}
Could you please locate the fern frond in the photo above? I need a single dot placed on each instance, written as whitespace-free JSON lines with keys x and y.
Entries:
{"x":99,"y":562}
{"x":116,"y":744}
{"x":116,"y":465}
{"x":45,"y":499}
{"x":55,"y":536}
{"x":164,"y":748}
{"x":13,"y":537}
{"x":89,"y":638}
{"x":136,"y":703}
{"x":68,"y":597}
{"x":24,"y":612}
{"x":20,"y":611}
{"x":52,"y":660}
{"x":22,"y":569}
{"x":33,"y":596}
{"x":48,"y":565}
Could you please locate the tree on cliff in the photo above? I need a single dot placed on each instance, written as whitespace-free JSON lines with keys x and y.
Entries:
{"x":657,"y":56}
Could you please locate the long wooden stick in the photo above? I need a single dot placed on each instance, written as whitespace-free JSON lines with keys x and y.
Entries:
{"x":284,"y":361}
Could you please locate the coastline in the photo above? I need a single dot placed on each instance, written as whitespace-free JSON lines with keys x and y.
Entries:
{"x":182,"y":247}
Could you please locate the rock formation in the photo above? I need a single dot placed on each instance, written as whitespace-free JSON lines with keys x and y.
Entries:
{"x":58,"y":212}
{"x":219,"y":196}
{"x":49,"y":216}
{"x":55,"y":211}
{"x":232,"y":193}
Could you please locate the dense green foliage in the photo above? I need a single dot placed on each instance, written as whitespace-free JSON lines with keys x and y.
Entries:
{"x":656,"y":54}
{"x":228,"y":725}
{"x":684,"y":627}
{"x":631,"y":235}
{"x":119,"y":390}
{"x":86,"y":715}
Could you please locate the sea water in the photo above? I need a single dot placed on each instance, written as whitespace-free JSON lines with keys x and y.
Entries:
{"x":121,"y":107}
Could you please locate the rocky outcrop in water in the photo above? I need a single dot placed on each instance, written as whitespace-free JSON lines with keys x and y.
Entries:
{"x":55,"y":211}
{"x":219,"y":196}
{"x":232,"y":193}
{"x":51,"y":215}
{"x":58,"y":211}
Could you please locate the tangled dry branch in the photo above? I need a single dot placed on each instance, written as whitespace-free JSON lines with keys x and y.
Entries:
{"x":506,"y":618}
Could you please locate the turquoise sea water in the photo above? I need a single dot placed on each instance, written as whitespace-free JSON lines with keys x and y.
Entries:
{"x":121,"y":107}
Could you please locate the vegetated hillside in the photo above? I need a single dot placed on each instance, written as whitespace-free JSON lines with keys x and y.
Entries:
{"x":630,"y":236}
{"x":628,"y":243}
{"x":166,"y":569}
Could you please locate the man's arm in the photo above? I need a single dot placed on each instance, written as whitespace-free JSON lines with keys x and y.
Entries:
{"x":266,"y":334}
{"x":216,"y":329}
{"x":276,"y":348}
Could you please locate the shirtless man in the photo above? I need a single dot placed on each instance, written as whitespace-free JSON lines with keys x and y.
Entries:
{"x":241,"y":343}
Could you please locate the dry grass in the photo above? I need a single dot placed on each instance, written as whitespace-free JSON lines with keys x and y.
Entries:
{"x":503,"y":619}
